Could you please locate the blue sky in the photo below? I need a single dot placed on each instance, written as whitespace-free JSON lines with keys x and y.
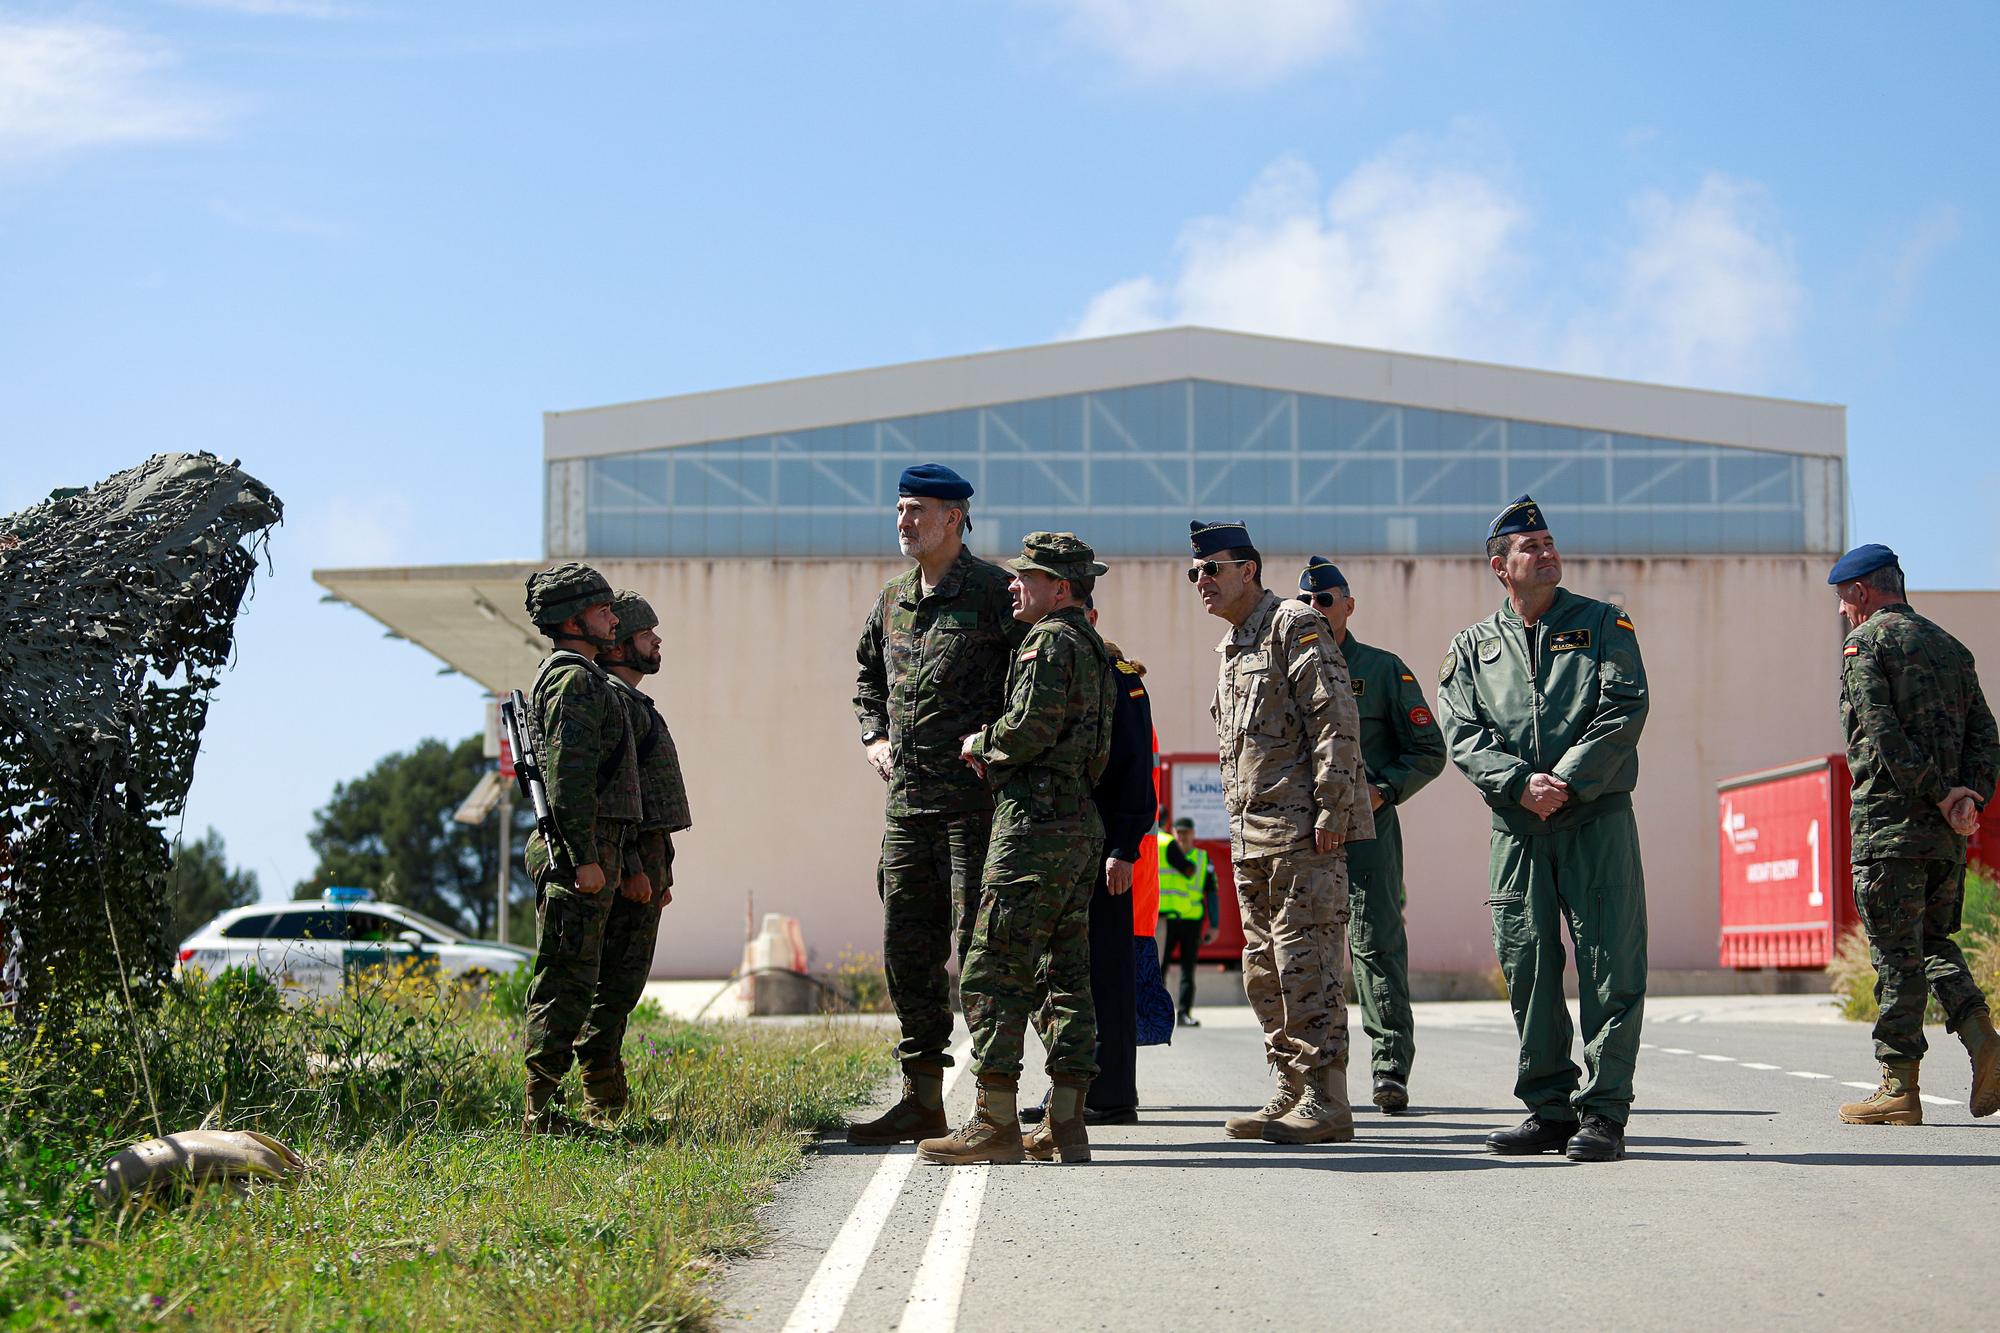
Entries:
{"x":362,"y":246}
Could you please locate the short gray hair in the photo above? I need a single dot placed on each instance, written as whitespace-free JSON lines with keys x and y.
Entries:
{"x":1888,"y":579}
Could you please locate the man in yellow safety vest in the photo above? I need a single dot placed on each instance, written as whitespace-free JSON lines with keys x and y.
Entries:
{"x":1188,"y":906}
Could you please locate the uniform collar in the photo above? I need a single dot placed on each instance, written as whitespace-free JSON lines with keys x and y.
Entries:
{"x":1555,"y":612}
{"x":1251,"y":631}
{"x":948,"y":586}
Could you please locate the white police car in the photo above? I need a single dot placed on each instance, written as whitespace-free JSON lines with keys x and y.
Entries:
{"x":320,"y":948}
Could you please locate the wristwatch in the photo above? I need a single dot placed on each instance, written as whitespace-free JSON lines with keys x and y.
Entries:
{"x":870,"y":736}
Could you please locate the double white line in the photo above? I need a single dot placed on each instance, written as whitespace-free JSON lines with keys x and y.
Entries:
{"x":940,"y":1280}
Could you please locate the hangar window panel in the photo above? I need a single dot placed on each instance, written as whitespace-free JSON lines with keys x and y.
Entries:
{"x":1129,"y":466}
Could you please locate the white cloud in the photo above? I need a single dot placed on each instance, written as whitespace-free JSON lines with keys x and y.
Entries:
{"x":1426,"y":249}
{"x":1232,"y":41}
{"x":1935,"y":233}
{"x":356,"y":530}
{"x":1707,"y":291}
{"x":69,"y":85}
{"x":1411,"y":251}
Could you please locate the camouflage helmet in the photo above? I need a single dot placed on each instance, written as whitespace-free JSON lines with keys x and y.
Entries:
{"x":1060,"y":554}
{"x":554,"y":595}
{"x":634,"y":613}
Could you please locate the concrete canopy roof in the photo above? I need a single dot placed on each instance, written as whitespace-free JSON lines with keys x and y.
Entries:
{"x":470,"y":616}
{"x":1284,"y":364}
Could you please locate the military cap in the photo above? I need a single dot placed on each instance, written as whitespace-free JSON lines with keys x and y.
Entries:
{"x":634,"y":613}
{"x":554,"y":595}
{"x":1059,"y":554}
{"x":1524,"y":515}
{"x":1184,"y":822}
{"x":1860,"y":562}
{"x":934,"y":480}
{"x":1321,"y":575}
{"x":1210,"y":539}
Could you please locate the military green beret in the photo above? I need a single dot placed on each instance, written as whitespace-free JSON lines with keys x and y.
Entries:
{"x":634,"y":613}
{"x":554,"y":595}
{"x":1060,"y":554}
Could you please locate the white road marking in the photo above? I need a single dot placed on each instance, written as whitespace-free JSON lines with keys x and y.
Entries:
{"x":940,"y":1281}
{"x":1675,"y":1050}
{"x":1752,"y":1064}
{"x":825,"y":1298}
{"x":1937,"y":1101}
{"x":1800,"y":1073}
{"x":1865,"y":1087}
{"x":1645,"y":1045}
{"x":1719,"y":1059}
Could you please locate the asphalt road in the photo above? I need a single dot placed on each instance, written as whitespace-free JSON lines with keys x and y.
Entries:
{"x":1742,"y":1202}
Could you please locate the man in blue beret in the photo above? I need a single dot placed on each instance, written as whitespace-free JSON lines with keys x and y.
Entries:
{"x":1294,"y":784}
{"x":1542,"y":704}
{"x":1924,"y":755}
{"x":933,"y":666}
{"x":1404,"y":750}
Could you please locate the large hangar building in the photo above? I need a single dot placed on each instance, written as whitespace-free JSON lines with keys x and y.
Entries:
{"x":759,"y":522}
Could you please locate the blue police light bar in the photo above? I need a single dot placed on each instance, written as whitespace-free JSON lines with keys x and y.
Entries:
{"x":338,"y":894}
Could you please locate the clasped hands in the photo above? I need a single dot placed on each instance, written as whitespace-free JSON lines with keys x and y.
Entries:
{"x":1545,"y":795}
{"x":1960,"y":808}
{"x":637,"y":886}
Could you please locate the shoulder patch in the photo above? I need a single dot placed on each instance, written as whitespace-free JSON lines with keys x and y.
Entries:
{"x":1136,"y":692}
{"x":1489,"y":650}
{"x":1360,"y":687}
{"x":1444,"y":671}
{"x":1624,"y":622}
{"x":1126,"y":667}
{"x":1420,"y":716}
{"x":1569,"y":640}
{"x":1851,"y":650}
{"x":1309,"y":638}
{"x":1407,"y":676}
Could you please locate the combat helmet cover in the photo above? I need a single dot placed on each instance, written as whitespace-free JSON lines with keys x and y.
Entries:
{"x":568,"y":589}
{"x":634,"y":613}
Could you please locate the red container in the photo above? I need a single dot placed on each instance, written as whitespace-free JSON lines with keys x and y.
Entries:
{"x":1191,"y":785}
{"x":1787,"y":884}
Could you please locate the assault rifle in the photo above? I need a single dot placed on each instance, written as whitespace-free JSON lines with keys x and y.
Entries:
{"x":529,"y":777}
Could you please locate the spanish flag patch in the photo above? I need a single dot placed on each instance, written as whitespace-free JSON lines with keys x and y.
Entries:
{"x":1309,"y":638}
{"x":1851,"y":650}
{"x":1409,"y":678}
{"x":1138,"y":693}
{"x":1623,"y":623}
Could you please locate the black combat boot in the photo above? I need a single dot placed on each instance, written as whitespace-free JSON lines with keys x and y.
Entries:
{"x":1531,"y":1136}
{"x":919,"y":1114}
{"x":1392,"y":1094}
{"x":1601,"y":1139}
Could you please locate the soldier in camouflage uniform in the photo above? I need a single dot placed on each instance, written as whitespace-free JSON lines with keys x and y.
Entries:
{"x":1542,"y":704}
{"x":1924,"y":754}
{"x":583,"y":738}
{"x":1042,"y":757}
{"x":933,"y":660}
{"x":647,"y":882}
{"x":1404,"y":750}
{"x":1296,"y":790}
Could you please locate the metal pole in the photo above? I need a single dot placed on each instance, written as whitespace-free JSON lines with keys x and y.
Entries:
{"x":506,"y":856}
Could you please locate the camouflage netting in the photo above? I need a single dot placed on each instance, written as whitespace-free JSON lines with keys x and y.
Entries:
{"x":117,"y":612}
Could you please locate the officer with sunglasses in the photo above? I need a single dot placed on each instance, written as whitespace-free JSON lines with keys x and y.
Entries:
{"x":1404,"y":750}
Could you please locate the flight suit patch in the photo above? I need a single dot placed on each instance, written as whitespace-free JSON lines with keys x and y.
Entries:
{"x":1360,"y":687}
{"x":1489,"y":650}
{"x":1569,"y":640}
{"x":1444,"y":671}
{"x":1420,"y":716}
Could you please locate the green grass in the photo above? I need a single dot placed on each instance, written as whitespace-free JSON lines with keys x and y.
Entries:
{"x":423,"y":1207}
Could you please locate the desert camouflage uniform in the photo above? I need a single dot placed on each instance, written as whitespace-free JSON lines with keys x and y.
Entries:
{"x":1033,"y":921}
{"x":591,"y":768}
{"x":933,"y":667}
{"x":1288,"y":734}
{"x":632,"y":929}
{"x":1917,"y":725}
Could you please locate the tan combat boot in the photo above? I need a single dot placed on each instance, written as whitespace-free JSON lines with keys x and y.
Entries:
{"x":545,"y":1114}
{"x":1061,"y":1137}
{"x":1322,"y":1114}
{"x":1287,"y":1095}
{"x":992,"y":1135}
{"x":1982,"y":1043}
{"x":1894,"y":1103}
{"x":605,"y":1094}
{"x":918,"y":1116}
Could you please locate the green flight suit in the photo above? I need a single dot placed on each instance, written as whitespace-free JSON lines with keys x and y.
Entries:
{"x":1403,"y":750}
{"x":1566,"y":697}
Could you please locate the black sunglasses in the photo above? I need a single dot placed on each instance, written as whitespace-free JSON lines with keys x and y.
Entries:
{"x":1322,"y":600}
{"x":1208,"y":569}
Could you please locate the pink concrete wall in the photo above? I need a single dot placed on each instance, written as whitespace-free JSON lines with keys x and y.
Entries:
{"x":1742,"y":656}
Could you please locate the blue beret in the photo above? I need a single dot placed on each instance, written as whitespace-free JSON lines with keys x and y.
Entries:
{"x":1321,"y":575}
{"x":934,"y":480}
{"x":1209,"y":539}
{"x":1524,"y":515}
{"x":1860,"y":562}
